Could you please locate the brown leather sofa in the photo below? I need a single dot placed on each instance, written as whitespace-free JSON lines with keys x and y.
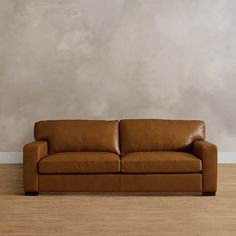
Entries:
{"x":128,"y":155}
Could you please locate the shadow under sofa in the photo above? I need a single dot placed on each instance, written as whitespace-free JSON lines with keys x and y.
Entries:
{"x":139,"y":155}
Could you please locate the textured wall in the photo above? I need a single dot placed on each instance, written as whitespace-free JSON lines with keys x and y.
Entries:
{"x":117,"y":59}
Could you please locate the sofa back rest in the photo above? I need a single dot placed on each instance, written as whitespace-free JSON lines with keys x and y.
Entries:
{"x":79,"y":135}
{"x":159,"y":135}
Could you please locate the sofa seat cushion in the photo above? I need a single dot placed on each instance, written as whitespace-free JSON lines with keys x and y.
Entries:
{"x":160,"y":162}
{"x":80,"y":162}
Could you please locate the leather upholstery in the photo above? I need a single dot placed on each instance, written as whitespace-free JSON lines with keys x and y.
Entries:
{"x":121,"y":182}
{"x":79,"y":135}
{"x":33,"y":153}
{"x":157,"y":155}
{"x":79,"y":182}
{"x":207,"y":152}
{"x":159,"y":135}
{"x":80,"y":162}
{"x":160,"y":162}
{"x":161,"y":182}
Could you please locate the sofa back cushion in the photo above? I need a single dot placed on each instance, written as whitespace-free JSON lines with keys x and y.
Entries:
{"x":79,"y":135}
{"x":159,"y":135}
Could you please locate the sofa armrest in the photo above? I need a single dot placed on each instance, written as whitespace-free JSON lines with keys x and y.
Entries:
{"x":32,"y":153}
{"x":207,"y":152}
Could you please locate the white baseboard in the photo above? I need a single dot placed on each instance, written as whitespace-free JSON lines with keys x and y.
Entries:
{"x":227,"y":157}
{"x":17,"y":157}
{"x":11,"y":157}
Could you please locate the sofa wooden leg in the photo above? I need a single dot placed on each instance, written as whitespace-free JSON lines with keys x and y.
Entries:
{"x":31,"y":193}
{"x":208,"y":193}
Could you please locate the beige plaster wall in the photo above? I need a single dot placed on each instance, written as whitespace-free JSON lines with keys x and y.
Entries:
{"x":113,"y":59}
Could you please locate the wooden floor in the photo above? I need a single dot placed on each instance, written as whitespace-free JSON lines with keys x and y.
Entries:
{"x":116,"y":214}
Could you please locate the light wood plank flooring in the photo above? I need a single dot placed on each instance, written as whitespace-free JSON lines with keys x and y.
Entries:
{"x":92,"y":214}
